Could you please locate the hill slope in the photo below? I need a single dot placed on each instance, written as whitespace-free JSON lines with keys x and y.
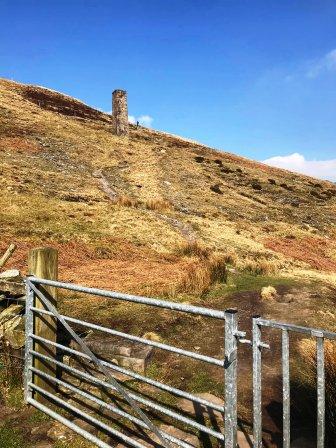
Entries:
{"x":120,"y":208}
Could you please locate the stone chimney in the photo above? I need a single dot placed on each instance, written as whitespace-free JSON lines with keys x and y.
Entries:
{"x":120,"y":112}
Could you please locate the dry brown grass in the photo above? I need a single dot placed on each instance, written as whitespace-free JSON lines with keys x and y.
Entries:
{"x":126,"y":201}
{"x":193,"y":249}
{"x":200,"y":274}
{"x":231,"y":257}
{"x":158,"y":204}
{"x":47,"y":165}
{"x":307,"y":350}
{"x":259,"y":266}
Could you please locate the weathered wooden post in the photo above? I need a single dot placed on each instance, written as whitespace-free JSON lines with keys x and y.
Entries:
{"x":43,"y":263}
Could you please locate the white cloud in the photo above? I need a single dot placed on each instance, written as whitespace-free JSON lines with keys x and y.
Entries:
{"x":326,"y":64}
{"x":144,"y":120}
{"x":322,"y":169}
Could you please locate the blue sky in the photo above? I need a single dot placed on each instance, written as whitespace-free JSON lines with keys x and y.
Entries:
{"x":257,"y":78}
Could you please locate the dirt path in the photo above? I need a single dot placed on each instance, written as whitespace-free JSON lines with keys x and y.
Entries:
{"x":185,"y":230}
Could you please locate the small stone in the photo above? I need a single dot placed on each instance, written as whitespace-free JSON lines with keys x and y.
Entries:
{"x":10,"y":274}
{"x":59,"y":432}
{"x":216,"y":189}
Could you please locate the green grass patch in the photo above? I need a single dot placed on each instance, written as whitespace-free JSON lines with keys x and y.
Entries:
{"x":12,"y":438}
{"x":242,"y":282}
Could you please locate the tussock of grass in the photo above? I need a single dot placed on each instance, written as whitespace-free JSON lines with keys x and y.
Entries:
{"x":268,"y":293}
{"x":193,"y":249}
{"x":126,"y":201}
{"x":261,"y":266}
{"x":200,"y":275}
{"x":158,"y":204}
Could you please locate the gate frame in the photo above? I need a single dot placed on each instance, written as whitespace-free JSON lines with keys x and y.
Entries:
{"x":229,"y":364}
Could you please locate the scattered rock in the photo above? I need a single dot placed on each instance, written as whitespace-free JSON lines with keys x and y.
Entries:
{"x":59,"y":432}
{"x":12,"y":285}
{"x":13,"y":331}
{"x":41,"y":430}
{"x":218,"y":162}
{"x":256,"y":186}
{"x":216,"y":189}
{"x":9,"y":313}
{"x":131,"y":355}
{"x":226,"y":169}
{"x":11,"y":274}
{"x":199,"y":159}
{"x":272,"y":181}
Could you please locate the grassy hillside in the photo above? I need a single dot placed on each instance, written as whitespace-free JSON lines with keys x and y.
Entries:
{"x":119,"y":209}
{"x":159,"y":215}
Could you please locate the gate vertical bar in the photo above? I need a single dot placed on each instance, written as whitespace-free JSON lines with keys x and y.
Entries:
{"x":230,"y":430}
{"x":29,"y":330}
{"x":320,"y":391}
{"x":257,"y":415}
{"x":285,"y":389}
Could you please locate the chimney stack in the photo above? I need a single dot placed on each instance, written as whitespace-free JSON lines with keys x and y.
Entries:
{"x":120,"y":112}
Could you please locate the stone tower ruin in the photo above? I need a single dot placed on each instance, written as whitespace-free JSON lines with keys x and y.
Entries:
{"x":120,"y":112}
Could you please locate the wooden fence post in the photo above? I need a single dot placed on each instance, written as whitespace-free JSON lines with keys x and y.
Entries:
{"x":43,"y":263}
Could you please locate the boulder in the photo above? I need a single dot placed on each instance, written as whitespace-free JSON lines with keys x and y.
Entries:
{"x":13,"y":332}
{"x":9,"y":313}
{"x":12,"y":287}
{"x":131,"y":355}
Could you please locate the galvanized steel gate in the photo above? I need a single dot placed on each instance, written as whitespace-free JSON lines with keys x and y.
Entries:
{"x":232,"y":336}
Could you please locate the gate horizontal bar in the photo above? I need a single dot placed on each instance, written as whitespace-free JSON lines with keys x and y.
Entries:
{"x":136,"y":397}
{"x":67,"y":423}
{"x":99,"y":364}
{"x":131,"y":298}
{"x":298,"y":328}
{"x":88,"y":418}
{"x":137,"y":376}
{"x":159,"y":345}
{"x":108,"y":406}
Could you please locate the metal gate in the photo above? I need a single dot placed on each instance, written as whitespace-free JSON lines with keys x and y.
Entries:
{"x":138,"y":403}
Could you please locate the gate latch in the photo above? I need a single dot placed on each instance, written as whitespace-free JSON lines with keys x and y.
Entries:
{"x":240,"y":335}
